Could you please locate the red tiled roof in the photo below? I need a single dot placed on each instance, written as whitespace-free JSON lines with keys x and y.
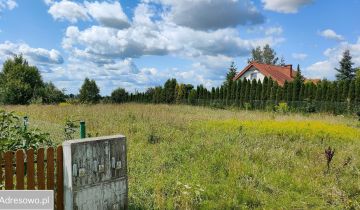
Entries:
{"x":277,"y":73}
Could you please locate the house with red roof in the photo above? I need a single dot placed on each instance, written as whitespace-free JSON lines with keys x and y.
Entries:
{"x":259,"y":71}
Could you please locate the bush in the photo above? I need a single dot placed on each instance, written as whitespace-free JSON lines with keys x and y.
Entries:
{"x":282,"y":108}
{"x":247,"y":106}
{"x":217,"y":105}
{"x":310,"y":107}
{"x":13,"y":135}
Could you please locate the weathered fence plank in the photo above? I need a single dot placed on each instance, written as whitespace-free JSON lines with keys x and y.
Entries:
{"x":20,"y":169}
{"x":59,"y":179}
{"x":30,"y":172}
{"x":50,"y":168}
{"x":40,"y":169}
{"x":8,"y":156}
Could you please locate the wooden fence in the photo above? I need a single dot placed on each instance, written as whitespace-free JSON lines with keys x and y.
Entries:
{"x":40,"y":169}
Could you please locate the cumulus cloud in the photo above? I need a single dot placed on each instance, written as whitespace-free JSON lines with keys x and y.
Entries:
{"x":106,"y":51}
{"x":68,"y":10}
{"x":211,"y":14}
{"x":326,"y":67}
{"x":109,"y":14}
{"x":285,"y":6}
{"x":331,"y":34}
{"x":299,"y":56}
{"x":37,"y":56}
{"x":160,"y":37}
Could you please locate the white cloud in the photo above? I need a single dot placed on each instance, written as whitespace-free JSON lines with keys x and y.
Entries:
{"x":108,"y":14}
{"x":285,"y":6}
{"x":326,"y":67}
{"x":210,"y":14}
{"x":7,"y":5}
{"x":106,"y":53}
{"x":274,"y":31}
{"x":37,"y":56}
{"x":68,"y":10}
{"x":331,"y":34}
{"x":299,"y":56}
{"x":161,"y":37}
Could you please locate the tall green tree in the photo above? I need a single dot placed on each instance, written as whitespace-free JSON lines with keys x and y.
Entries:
{"x":231,"y":74}
{"x":89,"y":92}
{"x":50,"y":94}
{"x":346,"y":70}
{"x":269,"y":55}
{"x":19,"y":81}
{"x":119,"y":95}
{"x":256,"y":55}
{"x":297,"y":83}
{"x":266,"y":55}
{"x":169,"y":91}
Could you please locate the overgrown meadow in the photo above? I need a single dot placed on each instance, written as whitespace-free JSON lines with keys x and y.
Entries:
{"x":185,"y":157}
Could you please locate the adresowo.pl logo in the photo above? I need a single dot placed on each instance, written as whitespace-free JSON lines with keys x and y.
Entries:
{"x":27,"y":199}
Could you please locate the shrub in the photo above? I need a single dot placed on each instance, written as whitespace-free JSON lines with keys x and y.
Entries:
{"x":70,"y":129}
{"x":282,"y":108}
{"x":247,"y":106}
{"x":14,"y":136}
{"x":310,"y":107}
{"x":217,"y":105}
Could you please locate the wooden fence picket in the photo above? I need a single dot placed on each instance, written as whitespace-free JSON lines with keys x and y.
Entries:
{"x":8,"y":156}
{"x":50,"y":168}
{"x":20,"y":172}
{"x":40,"y":169}
{"x":30,"y":172}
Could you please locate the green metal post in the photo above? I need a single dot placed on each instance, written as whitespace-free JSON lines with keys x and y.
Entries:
{"x":26,"y":122}
{"x":82,"y":130}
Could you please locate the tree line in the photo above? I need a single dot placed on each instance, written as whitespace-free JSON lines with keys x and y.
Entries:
{"x":339,"y":96}
{"x":22,"y":84}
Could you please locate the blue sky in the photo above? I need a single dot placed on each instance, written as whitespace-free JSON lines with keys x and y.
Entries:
{"x":139,"y":44}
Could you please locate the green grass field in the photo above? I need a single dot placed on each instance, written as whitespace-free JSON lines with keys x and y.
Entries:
{"x":203,"y":158}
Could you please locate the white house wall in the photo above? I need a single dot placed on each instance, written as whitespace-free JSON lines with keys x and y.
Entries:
{"x":247,"y":74}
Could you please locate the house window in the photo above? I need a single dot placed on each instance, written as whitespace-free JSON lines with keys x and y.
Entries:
{"x":253,"y":76}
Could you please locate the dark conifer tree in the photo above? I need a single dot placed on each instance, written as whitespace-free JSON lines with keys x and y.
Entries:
{"x":290,"y":91}
{"x":297,"y":83}
{"x":247,"y":91}
{"x":345,"y":91}
{"x":351,"y":94}
{"x":243,"y":91}
{"x":340,"y":91}
{"x":279,"y":94}
{"x":258,"y":90}
{"x":217,"y":93}
{"x":264,"y":89}
{"x":269,"y":87}
{"x":346,"y":70}
{"x":253,"y":90}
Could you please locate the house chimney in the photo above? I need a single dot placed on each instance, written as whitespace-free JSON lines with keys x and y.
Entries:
{"x":289,"y":66}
